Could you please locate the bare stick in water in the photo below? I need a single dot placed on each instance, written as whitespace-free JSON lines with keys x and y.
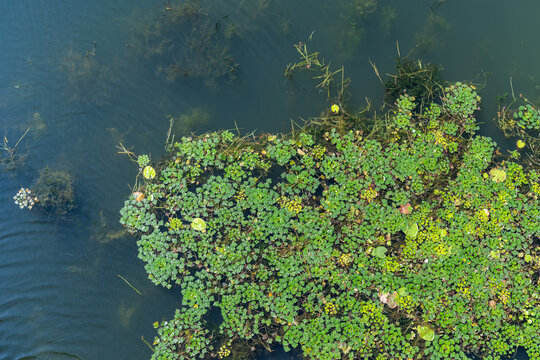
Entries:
{"x":127,"y":282}
{"x":26,"y":132}
{"x":512,"y":87}
{"x":376,"y":71}
{"x":147,"y":343}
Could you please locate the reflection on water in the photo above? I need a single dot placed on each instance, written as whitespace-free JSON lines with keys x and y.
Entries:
{"x":85,"y":76}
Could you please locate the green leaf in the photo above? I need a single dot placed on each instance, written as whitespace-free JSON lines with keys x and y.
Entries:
{"x":497,"y":175}
{"x":425,"y":332}
{"x":198,"y":224}
{"x":412,"y":230}
{"x":403,"y":291}
{"x":528,"y":258}
{"x":149,"y":173}
{"x":380,"y":252}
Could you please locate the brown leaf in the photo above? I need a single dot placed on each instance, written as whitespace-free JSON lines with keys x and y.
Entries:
{"x":392,"y":300}
{"x":138,"y":196}
{"x":405,"y":209}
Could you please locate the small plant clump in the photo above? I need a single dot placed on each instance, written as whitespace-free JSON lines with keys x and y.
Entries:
{"x":9,"y":156}
{"x":527,"y":117}
{"x":54,"y":189}
{"x":522,"y":122}
{"x":143,"y":160}
{"x":25,"y":198}
{"x":414,"y":242}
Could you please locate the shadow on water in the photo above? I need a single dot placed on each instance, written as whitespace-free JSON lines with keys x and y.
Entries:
{"x":85,"y":76}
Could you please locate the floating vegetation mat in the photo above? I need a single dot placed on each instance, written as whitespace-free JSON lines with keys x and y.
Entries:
{"x":411,"y":237}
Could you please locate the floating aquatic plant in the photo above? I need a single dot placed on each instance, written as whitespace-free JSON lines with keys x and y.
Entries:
{"x":309,"y":240}
{"x":497,"y":175}
{"x":25,"y":198}
{"x":149,"y":173}
{"x":425,"y":332}
{"x":411,"y":230}
{"x":143,"y":160}
{"x":198,"y":224}
{"x":380,"y":252}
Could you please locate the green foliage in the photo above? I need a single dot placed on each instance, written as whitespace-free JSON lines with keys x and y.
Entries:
{"x":522,"y":122}
{"x":527,"y":117}
{"x":404,"y":107}
{"x":461,"y":101}
{"x":419,"y":244}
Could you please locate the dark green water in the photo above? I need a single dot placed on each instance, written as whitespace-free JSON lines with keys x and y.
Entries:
{"x":60,"y":293}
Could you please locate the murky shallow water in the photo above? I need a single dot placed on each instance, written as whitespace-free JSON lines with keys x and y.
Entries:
{"x":61,"y":291}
